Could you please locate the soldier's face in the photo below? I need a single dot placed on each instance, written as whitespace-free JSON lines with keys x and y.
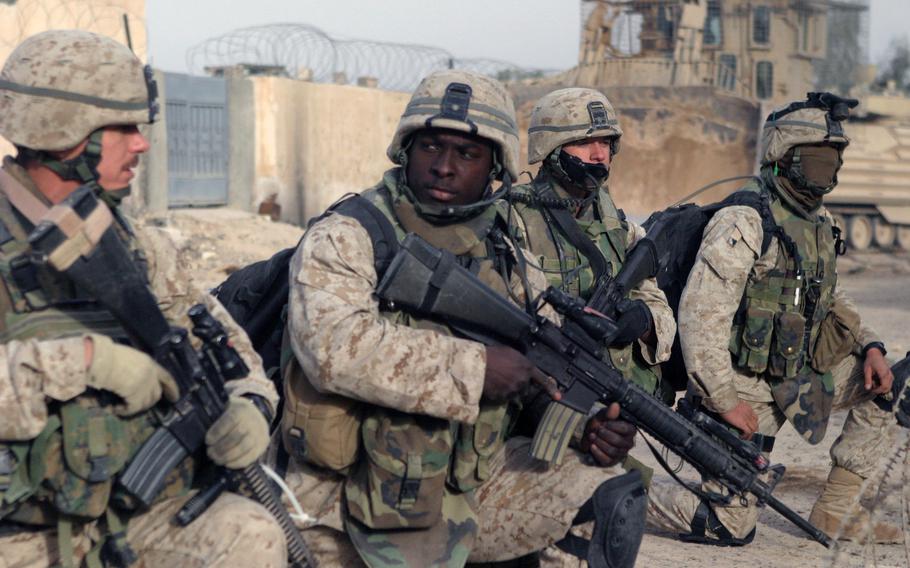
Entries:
{"x":449,"y":167}
{"x":590,"y":150}
{"x":120,"y":149}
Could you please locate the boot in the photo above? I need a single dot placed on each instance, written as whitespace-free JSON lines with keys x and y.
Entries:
{"x":838,"y":501}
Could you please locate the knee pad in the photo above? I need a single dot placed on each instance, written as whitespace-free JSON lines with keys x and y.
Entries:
{"x":618,"y":509}
{"x":705,"y":520}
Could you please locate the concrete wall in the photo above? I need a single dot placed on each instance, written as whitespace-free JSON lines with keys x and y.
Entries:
{"x":315,"y":142}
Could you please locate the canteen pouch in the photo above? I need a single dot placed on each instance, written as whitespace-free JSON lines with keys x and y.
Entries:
{"x":317,"y":428}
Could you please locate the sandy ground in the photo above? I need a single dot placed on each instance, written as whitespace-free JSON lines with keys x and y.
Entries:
{"x":214,"y":242}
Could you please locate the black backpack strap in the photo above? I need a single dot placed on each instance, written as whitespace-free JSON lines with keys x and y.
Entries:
{"x":569,"y":227}
{"x":377,"y":225}
{"x":759,"y":201}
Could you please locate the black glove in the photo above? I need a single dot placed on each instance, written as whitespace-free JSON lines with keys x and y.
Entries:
{"x":633,"y":321}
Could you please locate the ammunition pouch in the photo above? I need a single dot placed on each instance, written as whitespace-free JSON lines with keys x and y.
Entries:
{"x":755,"y":342}
{"x":787,"y":356}
{"x":317,"y":428}
{"x":400,"y":482}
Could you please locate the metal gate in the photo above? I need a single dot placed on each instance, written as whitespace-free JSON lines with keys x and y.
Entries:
{"x":197,"y":147}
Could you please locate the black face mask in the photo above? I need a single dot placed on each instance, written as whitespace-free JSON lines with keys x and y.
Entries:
{"x":819,"y":166}
{"x":582,"y":174}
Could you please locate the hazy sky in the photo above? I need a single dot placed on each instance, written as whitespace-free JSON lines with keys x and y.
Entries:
{"x":531,"y":33}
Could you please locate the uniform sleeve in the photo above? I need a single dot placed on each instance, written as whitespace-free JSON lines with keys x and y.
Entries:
{"x":177,"y":293}
{"x":31,"y":371}
{"x":345,"y":347}
{"x":661,"y":313}
{"x":730,"y":247}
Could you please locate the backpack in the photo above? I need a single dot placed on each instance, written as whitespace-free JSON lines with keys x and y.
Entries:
{"x":256,"y":296}
{"x":683,"y":241}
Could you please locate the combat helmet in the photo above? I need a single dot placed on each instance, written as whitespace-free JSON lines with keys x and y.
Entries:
{"x":60,"y":87}
{"x":569,"y":115}
{"x":467,"y":102}
{"x":816,"y":120}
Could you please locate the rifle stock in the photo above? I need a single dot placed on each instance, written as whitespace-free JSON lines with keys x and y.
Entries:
{"x":430,"y":282}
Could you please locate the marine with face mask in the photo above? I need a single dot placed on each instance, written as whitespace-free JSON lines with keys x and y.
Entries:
{"x":569,"y":222}
{"x":769,"y":337}
{"x":76,"y":398}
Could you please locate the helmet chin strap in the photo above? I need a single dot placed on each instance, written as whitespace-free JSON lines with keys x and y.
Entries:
{"x":83,"y":168}
{"x":453,"y":213}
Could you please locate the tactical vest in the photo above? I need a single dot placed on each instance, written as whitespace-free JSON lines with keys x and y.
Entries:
{"x":403,"y":471}
{"x":777,"y":324}
{"x":566,"y":267}
{"x":68,"y":470}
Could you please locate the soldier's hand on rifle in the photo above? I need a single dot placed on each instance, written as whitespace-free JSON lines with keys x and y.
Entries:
{"x":876,"y":369}
{"x":239,"y":436}
{"x":508,"y":372}
{"x":743,"y":418}
{"x":607,"y":438}
{"x":634,"y":321}
{"x":128,"y":373}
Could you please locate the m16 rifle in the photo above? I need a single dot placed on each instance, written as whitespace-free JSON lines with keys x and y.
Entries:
{"x":78,"y":239}
{"x":430,"y":283}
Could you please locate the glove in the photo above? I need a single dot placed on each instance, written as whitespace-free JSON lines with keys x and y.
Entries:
{"x":239,"y":436}
{"x":128,"y":373}
{"x":634,"y":321}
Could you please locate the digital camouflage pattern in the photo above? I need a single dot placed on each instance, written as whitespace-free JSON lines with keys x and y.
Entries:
{"x":780,"y":307}
{"x":573,"y":273}
{"x":69,"y":63}
{"x":73,"y":448}
{"x":490,"y":114}
{"x":863,"y":442}
{"x":728,"y":261}
{"x":427,"y":438}
{"x":234,"y":532}
{"x":563,"y":116}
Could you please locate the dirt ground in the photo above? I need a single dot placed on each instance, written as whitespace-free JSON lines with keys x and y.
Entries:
{"x":214,"y":242}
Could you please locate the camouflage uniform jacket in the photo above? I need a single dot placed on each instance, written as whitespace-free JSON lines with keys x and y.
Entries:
{"x":565,"y":266}
{"x":42,"y":364}
{"x":345,"y":345}
{"x":729,"y":261}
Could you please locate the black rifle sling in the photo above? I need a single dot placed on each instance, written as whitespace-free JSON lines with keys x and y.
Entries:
{"x":569,"y":227}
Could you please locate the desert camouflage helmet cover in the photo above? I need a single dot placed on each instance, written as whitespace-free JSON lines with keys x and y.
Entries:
{"x":568,"y":115}
{"x":59,"y":86}
{"x":814,"y":121}
{"x":463,"y":101}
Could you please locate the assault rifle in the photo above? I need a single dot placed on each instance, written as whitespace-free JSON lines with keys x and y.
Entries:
{"x":78,"y":238}
{"x":431,"y":283}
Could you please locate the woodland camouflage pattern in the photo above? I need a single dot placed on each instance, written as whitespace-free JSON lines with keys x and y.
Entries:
{"x":39,"y":366}
{"x":613,"y":238}
{"x":730,"y":252}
